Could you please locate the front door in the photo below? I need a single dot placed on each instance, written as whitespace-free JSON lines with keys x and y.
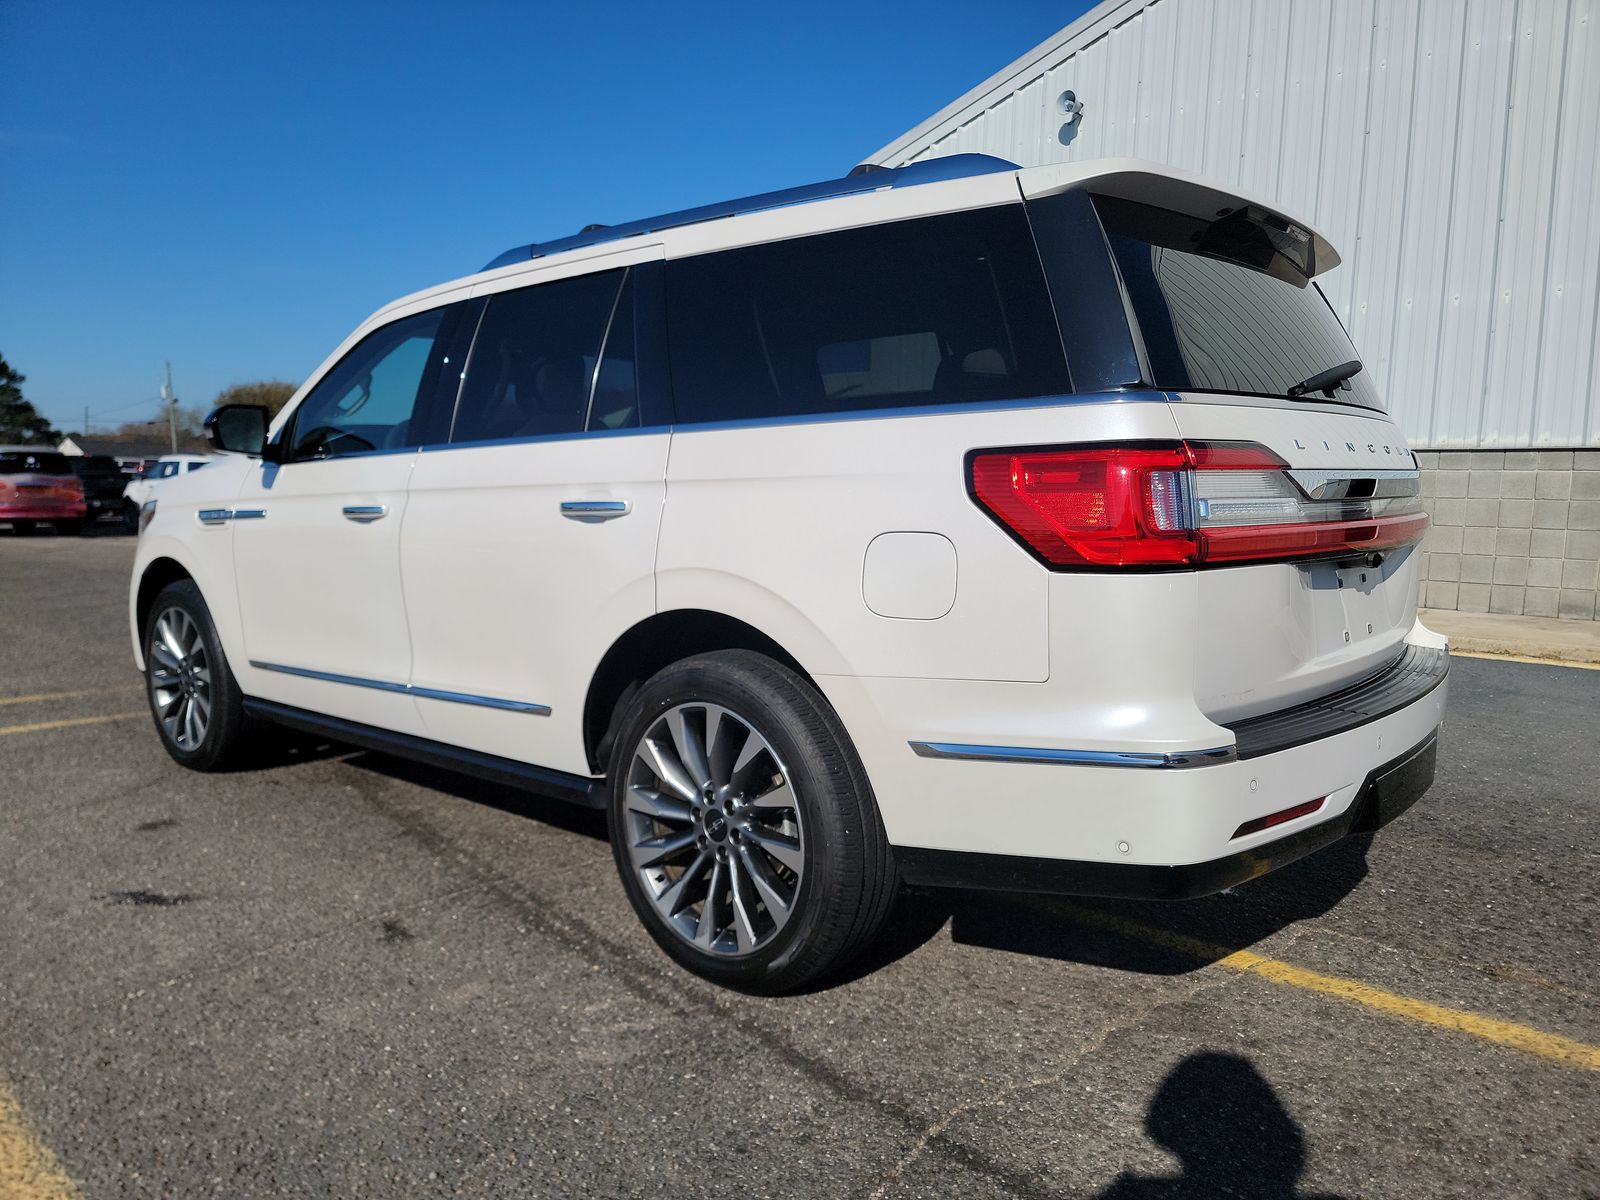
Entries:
{"x":317,"y":536}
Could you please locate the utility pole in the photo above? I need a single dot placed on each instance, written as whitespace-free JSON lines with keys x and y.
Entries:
{"x":171,"y":402}
{"x":85,"y":420}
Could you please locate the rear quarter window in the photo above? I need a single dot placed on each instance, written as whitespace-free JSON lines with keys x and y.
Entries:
{"x":940,"y":310}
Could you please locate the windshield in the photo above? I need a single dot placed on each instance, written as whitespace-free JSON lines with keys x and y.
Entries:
{"x":26,"y":462}
{"x":1220,"y":314}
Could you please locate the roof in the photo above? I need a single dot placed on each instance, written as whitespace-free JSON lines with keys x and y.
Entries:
{"x":866,"y":178}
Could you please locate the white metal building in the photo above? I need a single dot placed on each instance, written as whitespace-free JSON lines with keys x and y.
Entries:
{"x":1450,"y":149}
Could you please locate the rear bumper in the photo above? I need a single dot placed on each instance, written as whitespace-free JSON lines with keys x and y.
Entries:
{"x":42,"y":512}
{"x":1387,"y":791}
{"x":1005,"y":771}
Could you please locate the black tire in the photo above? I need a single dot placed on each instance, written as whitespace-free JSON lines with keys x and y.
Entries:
{"x":227,"y":731}
{"x":22,"y":528}
{"x":849,"y":882}
{"x":130,"y":516}
{"x":69,"y":528}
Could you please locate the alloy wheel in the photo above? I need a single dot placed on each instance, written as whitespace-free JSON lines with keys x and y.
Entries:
{"x":180,"y":678}
{"x":713,"y":829}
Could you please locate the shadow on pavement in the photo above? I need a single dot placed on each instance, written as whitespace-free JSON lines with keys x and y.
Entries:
{"x":1226,"y":1126}
{"x":1196,"y":932}
{"x":1184,"y":935}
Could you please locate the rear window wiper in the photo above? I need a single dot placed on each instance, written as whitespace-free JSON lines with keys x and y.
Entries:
{"x":1326,"y":381}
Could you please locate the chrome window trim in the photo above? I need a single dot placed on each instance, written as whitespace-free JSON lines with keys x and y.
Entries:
{"x":1179,"y":760}
{"x":421,"y":693}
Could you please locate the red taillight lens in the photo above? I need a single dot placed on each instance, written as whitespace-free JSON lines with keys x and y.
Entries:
{"x":1106,"y":507}
{"x":1282,"y":817}
{"x":1187,"y":504}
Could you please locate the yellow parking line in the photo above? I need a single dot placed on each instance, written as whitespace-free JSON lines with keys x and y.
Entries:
{"x":41,"y":726}
{"x":43,"y":696}
{"x":28,"y":1170}
{"x":1523,"y":658}
{"x":1505,"y":1033}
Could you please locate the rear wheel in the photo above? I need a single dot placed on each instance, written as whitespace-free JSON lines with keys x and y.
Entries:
{"x":196,"y":703}
{"x":743,"y":825}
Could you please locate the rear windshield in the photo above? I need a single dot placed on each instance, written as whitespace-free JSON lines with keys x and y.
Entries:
{"x":1220,"y":314}
{"x":25,"y":462}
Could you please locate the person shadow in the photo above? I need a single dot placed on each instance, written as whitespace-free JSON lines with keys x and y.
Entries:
{"x":1229,"y":1131}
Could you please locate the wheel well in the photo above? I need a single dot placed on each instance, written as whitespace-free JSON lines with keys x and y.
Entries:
{"x":652,"y":644}
{"x":157,"y":575}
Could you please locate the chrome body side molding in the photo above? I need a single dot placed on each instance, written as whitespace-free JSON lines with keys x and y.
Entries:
{"x":422,"y":693}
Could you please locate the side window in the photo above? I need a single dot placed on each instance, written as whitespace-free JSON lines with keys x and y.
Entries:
{"x":533,"y":367}
{"x":940,"y":310}
{"x":368,"y":400}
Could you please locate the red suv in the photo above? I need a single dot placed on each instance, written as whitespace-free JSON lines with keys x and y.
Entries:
{"x":39,"y":485}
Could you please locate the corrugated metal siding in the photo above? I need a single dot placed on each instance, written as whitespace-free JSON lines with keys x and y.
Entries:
{"x":1449,"y":148}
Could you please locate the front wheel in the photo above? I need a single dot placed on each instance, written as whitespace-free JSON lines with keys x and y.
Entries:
{"x":194,"y":698}
{"x":743,"y":824}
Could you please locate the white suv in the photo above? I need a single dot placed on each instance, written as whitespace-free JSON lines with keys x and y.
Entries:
{"x":956,"y":525}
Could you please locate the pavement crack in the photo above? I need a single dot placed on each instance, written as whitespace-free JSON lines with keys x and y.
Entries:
{"x":934,"y":1136}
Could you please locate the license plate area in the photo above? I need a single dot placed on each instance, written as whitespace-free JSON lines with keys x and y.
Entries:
{"x":1350,"y":607}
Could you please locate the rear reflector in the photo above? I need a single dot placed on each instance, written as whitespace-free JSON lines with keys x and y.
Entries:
{"x":1185,"y":504}
{"x":1279,"y":818}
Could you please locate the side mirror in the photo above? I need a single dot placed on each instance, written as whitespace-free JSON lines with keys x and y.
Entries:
{"x":240,"y":428}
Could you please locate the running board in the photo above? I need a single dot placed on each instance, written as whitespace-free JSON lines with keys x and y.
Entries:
{"x":558,"y":785}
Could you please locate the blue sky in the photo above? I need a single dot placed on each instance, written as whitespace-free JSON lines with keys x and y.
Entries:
{"x":233,"y":187}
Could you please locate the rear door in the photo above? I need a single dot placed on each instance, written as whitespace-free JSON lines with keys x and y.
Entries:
{"x":316,"y":538}
{"x":530,"y":535}
{"x":1227,"y":320}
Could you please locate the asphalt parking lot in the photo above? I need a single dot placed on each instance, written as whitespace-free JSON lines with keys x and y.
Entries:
{"x":342,"y":975}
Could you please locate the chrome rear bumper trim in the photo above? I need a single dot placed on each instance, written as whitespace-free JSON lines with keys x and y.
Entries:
{"x":1077,"y":758}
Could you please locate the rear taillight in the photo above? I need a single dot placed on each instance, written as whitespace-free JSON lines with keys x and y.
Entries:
{"x":1186,"y":504}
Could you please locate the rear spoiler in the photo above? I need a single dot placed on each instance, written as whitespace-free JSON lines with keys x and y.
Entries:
{"x":1179,"y":191}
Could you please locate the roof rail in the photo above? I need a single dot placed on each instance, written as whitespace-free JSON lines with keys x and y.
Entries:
{"x":868,"y":177}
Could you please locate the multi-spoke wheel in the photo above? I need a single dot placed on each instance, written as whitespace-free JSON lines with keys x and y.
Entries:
{"x":180,"y":678}
{"x":196,"y":703}
{"x":744,"y":829}
{"x":713,"y":829}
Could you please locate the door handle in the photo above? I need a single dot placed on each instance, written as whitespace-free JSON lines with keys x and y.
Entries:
{"x":595,"y":510}
{"x":365,"y":513}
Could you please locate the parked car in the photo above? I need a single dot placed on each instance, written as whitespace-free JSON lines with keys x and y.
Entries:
{"x":954,"y":525}
{"x":37,"y":484}
{"x":103,"y":483}
{"x":142,"y":486}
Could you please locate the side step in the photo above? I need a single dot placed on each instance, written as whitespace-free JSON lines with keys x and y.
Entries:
{"x":574,"y":789}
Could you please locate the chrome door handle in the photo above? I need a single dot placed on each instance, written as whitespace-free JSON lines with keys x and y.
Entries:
{"x":365,"y":513}
{"x":595,"y":510}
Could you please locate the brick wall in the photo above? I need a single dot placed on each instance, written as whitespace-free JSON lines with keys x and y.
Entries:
{"x":1514,"y":531}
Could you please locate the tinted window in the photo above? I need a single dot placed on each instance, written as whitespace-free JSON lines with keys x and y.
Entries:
{"x":96,"y":466}
{"x":532,"y":370}
{"x":29,"y":462}
{"x":948,"y":309}
{"x":368,"y":400}
{"x":1221,"y":310}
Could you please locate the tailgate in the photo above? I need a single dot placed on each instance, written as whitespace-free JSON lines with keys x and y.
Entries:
{"x":1275,"y":634}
